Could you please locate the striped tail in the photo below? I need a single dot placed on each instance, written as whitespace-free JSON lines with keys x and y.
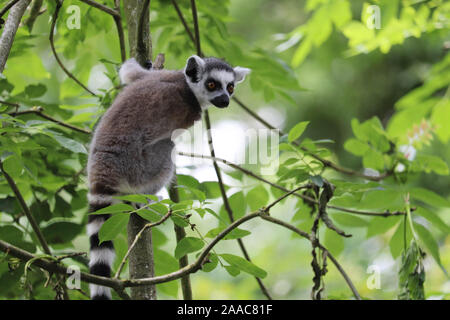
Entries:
{"x":101,"y":255}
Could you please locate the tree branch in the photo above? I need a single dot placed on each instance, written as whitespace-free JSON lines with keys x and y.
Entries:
{"x":136,"y":239}
{"x":26,"y":210}
{"x":196,"y":29}
{"x":226,"y":203}
{"x":34,"y":13}
{"x":102,"y":7}
{"x":115,"y":14}
{"x":11,"y":25}
{"x":307,"y":236}
{"x":39,"y":111}
{"x":180,"y":234}
{"x":52,"y":45}
{"x":183,"y":21}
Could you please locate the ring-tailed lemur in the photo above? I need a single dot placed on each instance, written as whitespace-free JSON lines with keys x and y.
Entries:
{"x":131,"y":148}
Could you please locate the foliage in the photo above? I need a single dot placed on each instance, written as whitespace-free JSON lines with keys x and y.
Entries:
{"x":47,"y":160}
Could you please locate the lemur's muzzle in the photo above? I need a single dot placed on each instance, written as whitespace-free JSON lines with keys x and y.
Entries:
{"x":221,"y":101}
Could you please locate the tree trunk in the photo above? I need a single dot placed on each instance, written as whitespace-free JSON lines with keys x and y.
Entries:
{"x":140,"y":43}
{"x":141,"y":259}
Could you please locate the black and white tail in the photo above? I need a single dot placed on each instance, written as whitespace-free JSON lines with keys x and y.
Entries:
{"x":101,"y":255}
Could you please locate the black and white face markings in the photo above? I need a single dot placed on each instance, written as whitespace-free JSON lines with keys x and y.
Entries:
{"x":220,"y":85}
{"x":213,"y":80}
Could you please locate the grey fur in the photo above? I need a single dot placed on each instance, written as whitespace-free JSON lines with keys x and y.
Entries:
{"x":131,"y":150}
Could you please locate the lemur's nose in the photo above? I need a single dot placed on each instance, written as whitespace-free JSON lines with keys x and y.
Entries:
{"x":221,"y":101}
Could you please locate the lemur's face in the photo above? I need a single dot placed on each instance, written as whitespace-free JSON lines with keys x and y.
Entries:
{"x":213,"y":80}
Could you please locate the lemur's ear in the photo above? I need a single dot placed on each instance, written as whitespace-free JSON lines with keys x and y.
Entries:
{"x":240,"y":73}
{"x":194,"y":68}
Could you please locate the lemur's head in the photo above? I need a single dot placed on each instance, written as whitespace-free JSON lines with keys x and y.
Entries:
{"x":213,"y":80}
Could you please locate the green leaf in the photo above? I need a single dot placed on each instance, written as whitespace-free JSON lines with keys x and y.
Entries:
{"x":397,"y":242}
{"x":211,"y":189}
{"x":238,"y":204}
{"x":70,"y":144}
{"x":114,"y":208}
{"x":430,"y":243}
{"x":434,"y":219}
{"x":349,"y":220}
{"x":232,"y":271}
{"x":137,"y":198}
{"x":212,"y":264}
{"x":257,"y":197}
{"x":244,"y":265}
{"x":357,"y":147}
{"x":429,"y":163}
{"x":179,"y":221}
{"x":13,"y":165}
{"x":35,"y":90}
{"x":429,"y":197}
{"x":334,"y":242}
{"x":61,"y":232}
{"x":166,"y":263}
{"x":113,"y":226}
{"x":149,"y":215}
{"x":297,"y":131}
{"x":234,"y":234}
{"x":188,"y":245}
{"x":380,"y":225}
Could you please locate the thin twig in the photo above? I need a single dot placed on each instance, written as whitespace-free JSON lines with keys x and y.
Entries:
{"x":52,"y":45}
{"x":183,"y":21}
{"x":180,"y":234}
{"x":307,"y":236}
{"x":7,"y":7}
{"x":196,"y":28}
{"x":39,"y":111}
{"x":120,"y":33}
{"x":102,"y":7}
{"x":26,"y":210}
{"x":226,"y":203}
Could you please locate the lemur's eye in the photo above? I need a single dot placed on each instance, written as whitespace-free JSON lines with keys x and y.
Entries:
{"x":230,"y":88}
{"x":211,"y":85}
